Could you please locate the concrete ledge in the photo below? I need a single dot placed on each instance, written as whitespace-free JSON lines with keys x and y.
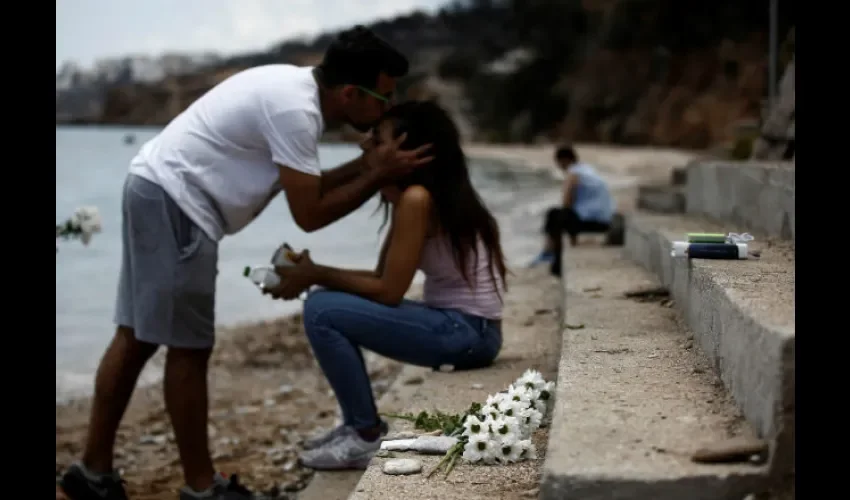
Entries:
{"x":662,"y":199}
{"x":742,"y":316}
{"x":634,"y":398}
{"x":757,"y":195}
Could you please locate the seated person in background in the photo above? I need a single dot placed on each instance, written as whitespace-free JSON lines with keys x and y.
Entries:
{"x":587,"y":207}
{"x":439,"y":225}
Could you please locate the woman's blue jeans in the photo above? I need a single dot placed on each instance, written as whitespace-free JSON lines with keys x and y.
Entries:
{"x":339,"y":324}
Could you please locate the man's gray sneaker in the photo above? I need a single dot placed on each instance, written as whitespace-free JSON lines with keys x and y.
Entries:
{"x":323,"y":439}
{"x":347,"y":451}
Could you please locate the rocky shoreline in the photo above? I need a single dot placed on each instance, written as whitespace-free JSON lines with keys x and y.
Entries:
{"x":266,"y":395}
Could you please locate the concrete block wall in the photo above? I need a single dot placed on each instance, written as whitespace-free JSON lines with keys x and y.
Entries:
{"x":755,"y":195}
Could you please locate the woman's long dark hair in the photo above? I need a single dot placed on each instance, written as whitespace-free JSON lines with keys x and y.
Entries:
{"x":461,"y":214}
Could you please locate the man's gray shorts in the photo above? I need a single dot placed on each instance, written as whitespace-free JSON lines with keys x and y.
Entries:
{"x":166,"y":291}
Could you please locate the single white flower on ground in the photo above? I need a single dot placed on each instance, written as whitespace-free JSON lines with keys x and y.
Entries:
{"x":490,"y":411}
{"x":494,"y":400}
{"x":513,"y":409}
{"x":527,"y":449}
{"x":472,"y":425}
{"x":531,"y":379}
{"x":509,"y":451}
{"x":533,"y":419}
{"x":506,"y":428}
{"x":479,"y":448}
{"x":521,"y":394}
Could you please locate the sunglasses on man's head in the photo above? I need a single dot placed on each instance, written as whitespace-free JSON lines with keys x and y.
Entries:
{"x":382,"y":98}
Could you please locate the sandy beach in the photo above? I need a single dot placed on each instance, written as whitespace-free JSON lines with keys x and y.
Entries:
{"x":268,"y":394}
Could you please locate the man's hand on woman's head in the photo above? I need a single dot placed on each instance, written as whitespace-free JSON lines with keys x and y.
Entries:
{"x":389,"y":160}
{"x":294,"y":279}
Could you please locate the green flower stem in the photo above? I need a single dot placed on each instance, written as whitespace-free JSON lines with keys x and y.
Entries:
{"x":408,"y":417}
{"x":440,"y":463}
{"x":458,"y":449}
{"x":449,"y":458}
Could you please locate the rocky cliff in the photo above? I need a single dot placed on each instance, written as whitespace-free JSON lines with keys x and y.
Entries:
{"x":777,"y":138}
{"x":660,"y":72}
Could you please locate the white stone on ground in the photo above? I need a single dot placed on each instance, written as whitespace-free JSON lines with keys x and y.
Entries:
{"x":433,"y":445}
{"x":398,"y":444}
{"x":402,"y":466}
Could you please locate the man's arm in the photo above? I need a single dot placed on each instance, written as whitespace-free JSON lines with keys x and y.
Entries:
{"x":314,"y":208}
{"x":293,"y":141}
{"x":343,"y":174}
{"x":569,"y":189}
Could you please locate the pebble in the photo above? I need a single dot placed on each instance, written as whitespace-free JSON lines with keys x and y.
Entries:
{"x":148,"y":439}
{"x":398,"y":444}
{"x":737,"y":449}
{"x":433,"y":445}
{"x":477,"y":386}
{"x":402,"y":466}
{"x":414,"y":380}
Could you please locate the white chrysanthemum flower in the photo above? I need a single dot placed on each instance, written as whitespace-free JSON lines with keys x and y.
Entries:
{"x":508,"y":451}
{"x":547,"y":391}
{"x":513,"y":409}
{"x":494,"y":400}
{"x":489,"y":411}
{"x":531,"y":379}
{"x":479,"y":448}
{"x":472,"y":425}
{"x":521,"y":394}
{"x":490,"y":420}
{"x":522,"y":415}
{"x":527,"y":450}
{"x":506,"y":429}
{"x":88,"y":220}
{"x":533,"y":419}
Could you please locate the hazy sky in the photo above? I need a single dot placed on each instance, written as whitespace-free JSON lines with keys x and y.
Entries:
{"x":91,"y":29}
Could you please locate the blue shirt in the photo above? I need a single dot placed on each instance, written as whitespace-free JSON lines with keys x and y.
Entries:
{"x":591,"y":199}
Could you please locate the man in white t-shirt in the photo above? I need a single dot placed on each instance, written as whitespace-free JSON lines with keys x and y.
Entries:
{"x":208,"y":174}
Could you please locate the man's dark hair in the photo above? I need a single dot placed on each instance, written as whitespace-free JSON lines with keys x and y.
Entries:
{"x":566,"y":153}
{"x":357,"y":56}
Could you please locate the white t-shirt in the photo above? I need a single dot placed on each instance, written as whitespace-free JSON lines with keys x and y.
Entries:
{"x":217,"y":158}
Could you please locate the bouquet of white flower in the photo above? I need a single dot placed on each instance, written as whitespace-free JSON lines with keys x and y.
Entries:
{"x":498,"y":432}
{"x":83,"y":224}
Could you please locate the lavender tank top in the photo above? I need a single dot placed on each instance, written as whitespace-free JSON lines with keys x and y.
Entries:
{"x":445,"y":287}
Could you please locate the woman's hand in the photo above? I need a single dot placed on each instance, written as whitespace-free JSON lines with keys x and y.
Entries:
{"x":294,"y":279}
